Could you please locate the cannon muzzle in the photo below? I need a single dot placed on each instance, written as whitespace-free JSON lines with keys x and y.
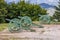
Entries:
{"x":8,"y":19}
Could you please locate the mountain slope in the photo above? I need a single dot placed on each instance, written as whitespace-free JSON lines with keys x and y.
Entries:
{"x":46,"y":6}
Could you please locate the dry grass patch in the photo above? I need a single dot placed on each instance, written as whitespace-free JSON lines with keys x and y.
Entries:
{"x":3,"y":26}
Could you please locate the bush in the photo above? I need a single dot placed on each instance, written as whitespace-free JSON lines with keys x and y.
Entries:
{"x":13,"y":10}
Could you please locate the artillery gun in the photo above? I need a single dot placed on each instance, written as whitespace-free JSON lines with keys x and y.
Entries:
{"x":20,"y":23}
{"x":13,"y":25}
{"x":45,"y":19}
{"x":17,"y":24}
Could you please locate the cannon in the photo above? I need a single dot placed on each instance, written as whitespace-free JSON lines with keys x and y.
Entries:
{"x":45,"y":19}
{"x":20,"y":23}
{"x":14,"y":25}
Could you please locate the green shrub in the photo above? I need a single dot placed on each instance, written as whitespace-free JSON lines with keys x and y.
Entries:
{"x":13,"y":10}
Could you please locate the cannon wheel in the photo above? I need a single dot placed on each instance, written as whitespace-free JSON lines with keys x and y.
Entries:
{"x":26,"y":22}
{"x":45,"y":19}
{"x":14,"y":26}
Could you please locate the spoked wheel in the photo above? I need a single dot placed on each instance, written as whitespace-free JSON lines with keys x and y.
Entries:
{"x":14,"y":25}
{"x":26,"y":22}
{"x":45,"y":19}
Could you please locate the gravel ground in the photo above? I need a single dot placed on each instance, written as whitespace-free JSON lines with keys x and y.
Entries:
{"x":49,"y":32}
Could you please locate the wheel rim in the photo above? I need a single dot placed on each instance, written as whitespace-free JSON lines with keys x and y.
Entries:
{"x":13,"y":25}
{"x":26,"y":22}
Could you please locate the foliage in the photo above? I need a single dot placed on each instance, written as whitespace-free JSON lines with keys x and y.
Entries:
{"x":57,"y":12}
{"x":13,"y":10}
{"x":3,"y":11}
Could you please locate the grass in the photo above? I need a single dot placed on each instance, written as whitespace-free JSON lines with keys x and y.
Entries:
{"x":37,"y":22}
{"x":3,"y":26}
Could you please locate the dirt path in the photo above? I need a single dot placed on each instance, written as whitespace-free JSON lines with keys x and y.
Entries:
{"x":52,"y":32}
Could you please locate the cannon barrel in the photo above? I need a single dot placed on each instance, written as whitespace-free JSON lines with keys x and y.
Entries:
{"x":19,"y":17}
{"x":8,"y":19}
{"x":39,"y":15}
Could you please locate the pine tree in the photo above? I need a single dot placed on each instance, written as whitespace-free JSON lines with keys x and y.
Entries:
{"x":57,"y":12}
{"x":3,"y":10}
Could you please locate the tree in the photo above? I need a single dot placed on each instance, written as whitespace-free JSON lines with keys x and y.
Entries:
{"x":57,"y":12}
{"x":12,"y":10}
{"x":22,"y":8}
{"x":3,"y":11}
{"x":31,"y":10}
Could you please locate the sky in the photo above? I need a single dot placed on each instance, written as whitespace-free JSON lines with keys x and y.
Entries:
{"x":51,"y":2}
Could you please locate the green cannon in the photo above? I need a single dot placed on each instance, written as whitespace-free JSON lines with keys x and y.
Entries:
{"x":20,"y":23}
{"x":45,"y":19}
{"x":14,"y":25}
{"x":17,"y":24}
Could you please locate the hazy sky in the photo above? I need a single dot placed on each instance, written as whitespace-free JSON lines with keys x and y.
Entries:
{"x":54,"y":2}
